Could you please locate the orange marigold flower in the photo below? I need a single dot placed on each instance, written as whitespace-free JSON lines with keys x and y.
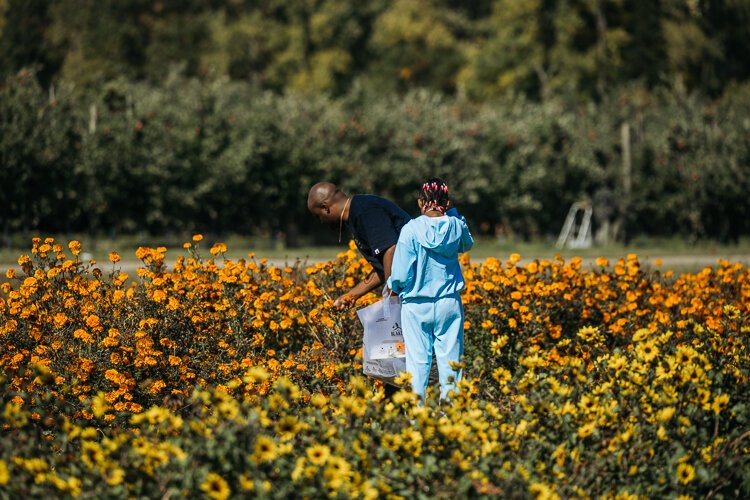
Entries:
{"x":156,"y":387}
{"x":83,"y":335}
{"x":218,"y":248}
{"x":142,"y":252}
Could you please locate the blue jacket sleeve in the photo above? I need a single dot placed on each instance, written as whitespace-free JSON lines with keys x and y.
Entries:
{"x":403,"y":268}
{"x":466,"y":239}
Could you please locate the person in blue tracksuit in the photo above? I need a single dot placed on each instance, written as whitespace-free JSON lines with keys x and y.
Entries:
{"x":427,"y":277}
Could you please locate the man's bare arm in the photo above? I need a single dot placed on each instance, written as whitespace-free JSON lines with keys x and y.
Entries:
{"x":388,"y":261}
{"x":371,"y":282}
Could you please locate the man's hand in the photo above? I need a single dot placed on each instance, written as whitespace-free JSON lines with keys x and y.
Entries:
{"x":346,"y":300}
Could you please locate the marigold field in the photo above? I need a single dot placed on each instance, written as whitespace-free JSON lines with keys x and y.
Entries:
{"x":219,"y":378}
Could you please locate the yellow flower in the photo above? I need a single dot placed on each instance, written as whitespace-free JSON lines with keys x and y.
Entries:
{"x":647,"y":351}
{"x":403,"y":396}
{"x":255,"y":374}
{"x":197,"y":237}
{"x":641,"y":334}
{"x":501,"y":375}
{"x":588,"y":333}
{"x":685,"y":473}
{"x":318,"y":400}
{"x":216,"y":487}
{"x":617,"y":363}
{"x":666,"y":369}
{"x":115,"y":477}
{"x":403,"y":379}
{"x":114,"y":257}
{"x":318,"y":454}
{"x":497,"y":345}
{"x":586,"y":430}
{"x":337,"y":471}
{"x":99,"y":405}
{"x":665,"y":414}
{"x":560,"y":454}
{"x":288,"y":427}
{"x":4,"y":474}
{"x":731,"y":311}
{"x":720,"y":403}
{"x":661,"y":433}
{"x":247,"y":483}
{"x":265,"y":450}
{"x":543,"y":491}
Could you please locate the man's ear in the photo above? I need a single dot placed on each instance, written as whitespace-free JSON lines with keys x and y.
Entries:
{"x":325,"y":208}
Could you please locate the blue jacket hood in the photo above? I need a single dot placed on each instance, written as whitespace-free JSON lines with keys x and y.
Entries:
{"x":442,"y":235}
{"x":425,"y":264}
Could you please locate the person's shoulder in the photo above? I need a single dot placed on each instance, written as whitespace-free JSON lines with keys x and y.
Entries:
{"x":412,"y":224}
{"x":373,"y":199}
{"x":362,"y":201}
{"x":375,"y":202}
{"x":357,"y":203}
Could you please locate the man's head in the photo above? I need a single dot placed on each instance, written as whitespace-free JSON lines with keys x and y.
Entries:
{"x":326,"y":202}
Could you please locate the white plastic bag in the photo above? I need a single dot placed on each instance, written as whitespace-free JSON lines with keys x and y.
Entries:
{"x":383,"y":354}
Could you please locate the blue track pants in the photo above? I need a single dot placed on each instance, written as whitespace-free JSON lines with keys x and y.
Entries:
{"x":438,"y":324}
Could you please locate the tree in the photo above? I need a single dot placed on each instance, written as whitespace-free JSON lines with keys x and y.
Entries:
{"x":727,"y":22}
{"x":545,"y":47}
{"x":417,"y":43}
{"x":301,"y":45}
{"x":137,"y":39}
{"x":25,"y":40}
{"x":688,"y":46}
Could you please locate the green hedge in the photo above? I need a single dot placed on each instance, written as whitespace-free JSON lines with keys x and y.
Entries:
{"x":223,"y":157}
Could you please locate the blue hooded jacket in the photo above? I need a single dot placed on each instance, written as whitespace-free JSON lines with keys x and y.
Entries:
{"x":425,"y":264}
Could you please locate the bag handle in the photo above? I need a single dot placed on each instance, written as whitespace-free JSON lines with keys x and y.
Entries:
{"x":386,"y":302}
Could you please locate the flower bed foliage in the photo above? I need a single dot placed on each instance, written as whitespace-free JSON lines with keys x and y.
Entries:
{"x":233,"y":378}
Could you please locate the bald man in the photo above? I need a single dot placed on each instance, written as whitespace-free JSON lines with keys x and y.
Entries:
{"x":374,"y":223}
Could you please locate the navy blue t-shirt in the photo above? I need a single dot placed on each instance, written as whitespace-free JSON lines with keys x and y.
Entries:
{"x":375,"y":224}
